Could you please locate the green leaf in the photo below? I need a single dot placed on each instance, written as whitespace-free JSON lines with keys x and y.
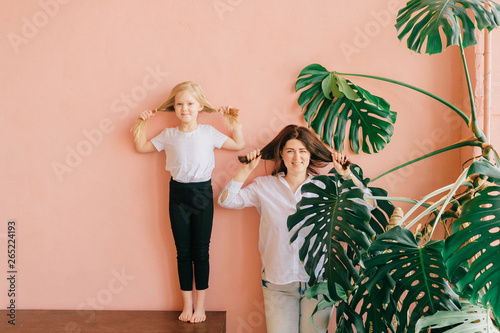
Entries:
{"x":418,"y":272}
{"x":336,"y":86}
{"x":471,"y":318}
{"x":476,"y":239}
{"x":424,"y":21}
{"x":340,"y":292}
{"x":369,"y":311}
{"x":348,"y":318}
{"x":382,"y":213}
{"x":320,"y":288}
{"x":328,"y":217}
{"x":330,"y":102}
{"x":311,"y":74}
{"x":319,"y":292}
{"x":346,"y":89}
{"x":484,"y":167}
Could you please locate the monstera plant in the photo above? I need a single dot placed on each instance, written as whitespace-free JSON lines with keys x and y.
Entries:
{"x":381,"y":272}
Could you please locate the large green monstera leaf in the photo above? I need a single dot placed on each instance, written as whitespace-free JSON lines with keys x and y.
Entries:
{"x":329,"y":217}
{"x":426,"y":21}
{"x":418,"y":272}
{"x":475,"y":239}
{"x":330,"y":102}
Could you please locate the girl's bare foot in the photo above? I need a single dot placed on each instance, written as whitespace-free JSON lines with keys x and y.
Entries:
{"x":187,"y":311}
{"x":199,"y":315}
{"x":186,"y":315}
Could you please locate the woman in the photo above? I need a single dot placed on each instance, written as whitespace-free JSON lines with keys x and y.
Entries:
{"x":284,"y":280}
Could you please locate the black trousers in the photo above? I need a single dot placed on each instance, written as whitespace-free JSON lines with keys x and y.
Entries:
{"x":191,"y":209}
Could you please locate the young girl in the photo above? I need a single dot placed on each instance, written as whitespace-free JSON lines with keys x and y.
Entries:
{"x":298,"y":153}
{"x":189,"y":149}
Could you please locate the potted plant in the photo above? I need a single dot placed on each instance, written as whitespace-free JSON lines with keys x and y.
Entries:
{"x":381,"y":274}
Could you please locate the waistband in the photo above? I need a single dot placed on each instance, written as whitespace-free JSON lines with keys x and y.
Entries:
{"x":177,"y":184}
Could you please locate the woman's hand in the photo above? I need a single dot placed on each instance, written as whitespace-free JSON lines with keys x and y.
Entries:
{"x":254,"y":158}
{"x":247,"y":168}
{"x":145,"y":115}
{"x":338,"y":161}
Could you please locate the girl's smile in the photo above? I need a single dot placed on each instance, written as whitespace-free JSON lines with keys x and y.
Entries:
{"x":187,"y":107}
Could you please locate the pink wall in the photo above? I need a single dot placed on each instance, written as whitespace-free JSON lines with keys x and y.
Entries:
{"x":495,"y":90}
{"x":91,"y":213}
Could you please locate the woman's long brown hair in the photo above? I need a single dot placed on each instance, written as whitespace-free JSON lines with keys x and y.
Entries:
{"x":320,"y":154}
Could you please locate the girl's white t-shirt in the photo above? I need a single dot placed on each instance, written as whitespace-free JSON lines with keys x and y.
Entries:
{"x":190,"y":155}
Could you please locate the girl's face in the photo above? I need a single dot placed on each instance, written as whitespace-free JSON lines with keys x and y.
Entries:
{"x":296,"y":157}
{"x":187,"y":107}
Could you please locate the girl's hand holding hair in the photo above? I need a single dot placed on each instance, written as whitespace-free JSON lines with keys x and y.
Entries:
{"x":230,"y":115}
{"x":142,"y":145}
{"x":225,"y":109}
{"x":237,"y":142}
{"x":147,"y":114}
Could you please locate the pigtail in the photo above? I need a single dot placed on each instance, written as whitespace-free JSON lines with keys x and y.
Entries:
{"x":231,"y":119}
{"x":139,"y":128}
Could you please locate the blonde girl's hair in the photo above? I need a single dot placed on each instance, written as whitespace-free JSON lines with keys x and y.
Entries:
{"x":194,"y":89}
{"x":168,"y":106}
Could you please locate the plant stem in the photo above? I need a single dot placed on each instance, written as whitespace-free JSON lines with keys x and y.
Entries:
{"x":422,"y":201}
{"x":376,"y":197}
{"x":430,"y":209}
{"x":473,"y":122}
{"x":473,"y":143}
{"x":448,"y":104}
{"x":457,"y":184}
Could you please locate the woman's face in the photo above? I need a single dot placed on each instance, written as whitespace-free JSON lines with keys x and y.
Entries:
{"x":187,"y":107}
{"x":295,"y":156}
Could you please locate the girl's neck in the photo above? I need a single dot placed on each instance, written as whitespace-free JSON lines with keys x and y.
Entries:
{"x":295,"y":180}
{"x":188,"y":127}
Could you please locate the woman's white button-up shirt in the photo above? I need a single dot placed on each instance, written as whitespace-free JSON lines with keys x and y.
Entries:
{"x":274,"y":200}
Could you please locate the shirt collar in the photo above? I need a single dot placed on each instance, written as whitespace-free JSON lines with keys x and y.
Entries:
{"x":281,"y":177}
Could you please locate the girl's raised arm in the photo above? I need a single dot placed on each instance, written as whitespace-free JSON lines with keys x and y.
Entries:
{"x":142,"y":145}
{"x":237,"y":142}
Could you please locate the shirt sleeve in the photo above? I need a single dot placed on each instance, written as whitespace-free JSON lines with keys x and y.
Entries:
{"x":159,"y":140}
{"x":238,"y":197}
{"x":366,"y":192}
{"x":218,"y":138}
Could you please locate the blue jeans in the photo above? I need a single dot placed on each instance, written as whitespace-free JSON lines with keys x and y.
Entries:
{"x":288,"y":310}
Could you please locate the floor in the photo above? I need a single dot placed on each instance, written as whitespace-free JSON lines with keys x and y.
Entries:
{"x":70,"y":321}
